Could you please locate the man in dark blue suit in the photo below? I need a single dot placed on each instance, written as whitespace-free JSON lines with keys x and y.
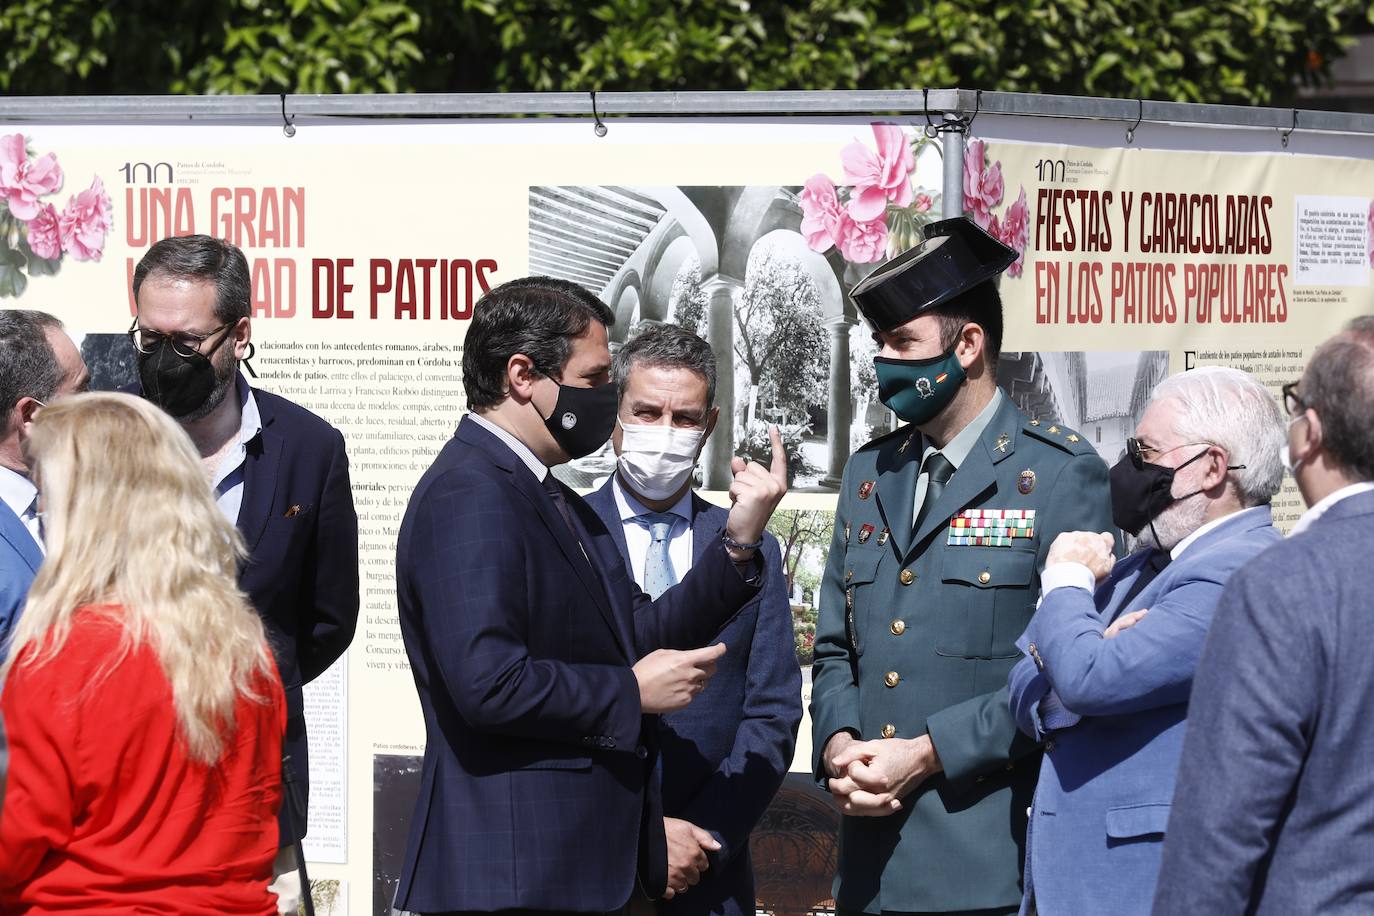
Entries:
{"x":725,"y":756}
{"x":1275,"y":799}
{"x":279,"y":472}
{"x":38,"y":362}
{"x":540,"y":666}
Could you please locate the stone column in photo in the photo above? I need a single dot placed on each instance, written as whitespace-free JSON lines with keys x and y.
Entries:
{"x":720,"y":332}
{"x":840,"y":411}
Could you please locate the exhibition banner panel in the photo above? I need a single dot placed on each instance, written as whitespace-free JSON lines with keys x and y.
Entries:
{"x":370,"y":243}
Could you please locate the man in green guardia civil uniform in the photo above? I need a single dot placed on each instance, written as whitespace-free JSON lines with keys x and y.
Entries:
{"x":940,"y":534}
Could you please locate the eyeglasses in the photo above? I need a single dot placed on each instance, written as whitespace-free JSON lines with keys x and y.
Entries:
{"x":1291,"y":402}
{"x":1136,"y":452}
{"x":183,"y":345}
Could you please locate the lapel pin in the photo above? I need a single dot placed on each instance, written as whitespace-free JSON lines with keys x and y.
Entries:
{"x":1002,"y":442}
{"x":882,"y":537}
{"x":292,"y":512}
{"x":865,"y":488}
{"x":1026,"y":482}
{"x":865,"y":532}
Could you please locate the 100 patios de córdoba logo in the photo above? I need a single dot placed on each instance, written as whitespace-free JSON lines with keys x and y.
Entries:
{"x":34,"y":235}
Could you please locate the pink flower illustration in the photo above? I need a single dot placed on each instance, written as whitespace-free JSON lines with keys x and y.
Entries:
{"x":1015,"y":231}
{"x":23,"y":181}
{"x":863,"y":242}
{"x":85,"y":221}
{"x":821,"y":213}
{"x":922,"y":203}
{"x":45,"y":235}
{"x":983,"y":186}
{"x":878,"y":178}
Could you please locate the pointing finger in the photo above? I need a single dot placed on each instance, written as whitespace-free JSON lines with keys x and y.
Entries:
{"x":779,"y":467}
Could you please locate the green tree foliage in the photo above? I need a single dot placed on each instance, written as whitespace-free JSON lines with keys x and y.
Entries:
{"x":1243,"y":51}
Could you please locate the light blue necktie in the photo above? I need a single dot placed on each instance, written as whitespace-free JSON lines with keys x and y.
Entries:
{"x":658,"y":565}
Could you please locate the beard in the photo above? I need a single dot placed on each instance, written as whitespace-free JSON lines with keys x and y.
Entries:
{"x":226,"y":372}
{"x":1174,"y":524}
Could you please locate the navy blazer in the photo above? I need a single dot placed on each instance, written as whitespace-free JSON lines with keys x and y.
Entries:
{"x":1275,"y":792}
{"x":535,"y":789}
{"x":298,"y":522}
{"x":1102,"y":799}
{"x":19,"y":562}
{"x":726,"y":755}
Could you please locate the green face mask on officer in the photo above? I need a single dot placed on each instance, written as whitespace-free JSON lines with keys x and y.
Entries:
{"x":918,"y":389}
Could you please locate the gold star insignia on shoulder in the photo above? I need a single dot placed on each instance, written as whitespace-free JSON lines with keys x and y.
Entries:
{"x":1054,"y":430}
{"x":1073,"y":438}
{"x":1002,"y":442}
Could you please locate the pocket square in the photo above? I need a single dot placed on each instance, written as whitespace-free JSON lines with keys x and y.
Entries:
{"x":293,"y":511}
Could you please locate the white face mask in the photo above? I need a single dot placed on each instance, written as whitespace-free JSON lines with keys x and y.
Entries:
{"x":1284,"y":456}
{"x":657,"y":460}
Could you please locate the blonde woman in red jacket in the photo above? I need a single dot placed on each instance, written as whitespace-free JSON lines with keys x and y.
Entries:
{"x":143,"y":710}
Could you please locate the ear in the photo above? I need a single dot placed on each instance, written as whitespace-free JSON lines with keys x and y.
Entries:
{"x":1314,"y":435}
{"x":26,"y":409}
{"x":520,"y":377}
{"x":710,"y":427}
{"x":1215,"y":473}
{"x":242,"y":334}
{"x":970,"y":344}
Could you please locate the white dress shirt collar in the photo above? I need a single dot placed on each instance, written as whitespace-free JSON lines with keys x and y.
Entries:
{"x":522,"y":451}
{"x":16,"y":491}
{"x":1192,"y":538}
{"x":1323,"y":505}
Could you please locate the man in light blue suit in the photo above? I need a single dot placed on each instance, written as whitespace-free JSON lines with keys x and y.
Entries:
{"x":1275,"y":800}
{"x":38,"y":362}
{"x":1110,"y":652}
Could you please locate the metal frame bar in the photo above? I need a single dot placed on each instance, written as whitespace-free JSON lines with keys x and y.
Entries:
{"x":958,"y":102}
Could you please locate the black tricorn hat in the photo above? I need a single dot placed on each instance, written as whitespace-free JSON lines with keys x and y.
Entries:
{"x":955,"y":257}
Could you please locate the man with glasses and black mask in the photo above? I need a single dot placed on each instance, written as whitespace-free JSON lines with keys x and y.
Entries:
{"x":1275,"y":799}
{"x":940,"y":532}
{"x":279,"y":473}
{"x":1112,"y":648}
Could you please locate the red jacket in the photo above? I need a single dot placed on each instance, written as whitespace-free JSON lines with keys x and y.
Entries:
{"x":104,"y":812}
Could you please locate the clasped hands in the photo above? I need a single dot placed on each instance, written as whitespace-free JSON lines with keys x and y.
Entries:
{"x":870,"y":778}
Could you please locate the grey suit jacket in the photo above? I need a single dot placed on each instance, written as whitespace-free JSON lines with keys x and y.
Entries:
{"x":1275,"y":799}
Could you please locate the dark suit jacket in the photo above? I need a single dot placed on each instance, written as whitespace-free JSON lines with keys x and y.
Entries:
{"x":19,"y":562}
{"x":725,"y":756}
{"x":1275,"y":794}
{"x":302,"y":569}
{"x":537,"y":759}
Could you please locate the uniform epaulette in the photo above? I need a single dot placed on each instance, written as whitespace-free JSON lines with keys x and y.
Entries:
{"x":901,"y":431}
{"x":1067,"y":439}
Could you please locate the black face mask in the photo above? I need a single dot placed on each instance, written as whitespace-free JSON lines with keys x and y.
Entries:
{"x":583,"y":418}
{"x":177,"y":384}
{"x":1140,"y":494}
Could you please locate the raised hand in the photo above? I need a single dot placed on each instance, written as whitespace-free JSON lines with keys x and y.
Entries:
{"x":755,"y":493}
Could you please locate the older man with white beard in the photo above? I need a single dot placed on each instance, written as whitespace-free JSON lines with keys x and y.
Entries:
{"x":1111,"y":651}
